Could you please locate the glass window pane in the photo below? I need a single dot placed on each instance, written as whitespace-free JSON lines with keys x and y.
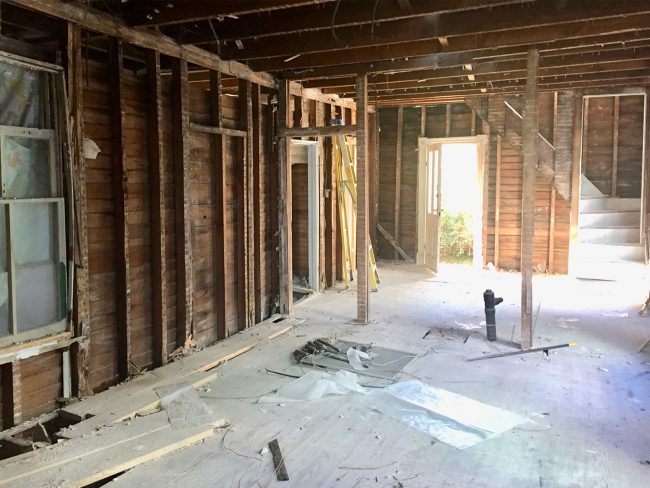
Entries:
{"x":21,"y":96}
{"x":26,"y":168}
{"x":38,"y":273}
{"x":4,"y":275}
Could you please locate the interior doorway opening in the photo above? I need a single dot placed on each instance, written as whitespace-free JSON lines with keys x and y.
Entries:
{"x":305,"y":217}
{"x":450,"y":201}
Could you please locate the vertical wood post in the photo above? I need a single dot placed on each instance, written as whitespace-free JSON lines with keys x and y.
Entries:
{"x":180,"y":134}
{"x":245,"y":281}
{"x":472,"y":126}
{"x":447,"y":120}
{"x":398,"y":176}
{"x":617,"y":109}
{"x":220,"y":267}
{"x":530,"y":156}
{"x":575,"y":168}
{"x":585,"y":136}
{"x":120,"y":183}
{"x":497,"y":204}
{"x":158,"y":214}
{"x":329,"y":184}
{"x":284,"y":207}
{"x":258,"y":182}
{"x":375,"y":176}
{"x":362,"y":199}
{"x":551,"y":232}
{"x":74,"y":75}
{"x":423,"y":121}
{"x":273,"y":199}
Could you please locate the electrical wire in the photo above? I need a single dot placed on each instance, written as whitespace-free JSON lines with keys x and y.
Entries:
{"x":336,"y":38}
{"x":374,"y":15}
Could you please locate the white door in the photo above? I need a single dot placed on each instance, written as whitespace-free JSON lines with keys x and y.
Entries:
{"x":433,"y":207}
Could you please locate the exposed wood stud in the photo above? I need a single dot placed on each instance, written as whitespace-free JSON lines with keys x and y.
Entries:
{"x":158,"y":213}
{"x":180,"y":134}
{"x":273,"y":174}
{"x":74,"y":75}
{"x":585,"y":136}
{"x":318,"y":131}
{"x":617,"y":110}
{"x":284,"y":207}
{"x":329,"y":185}
{"x":120,"y":183}
{"x":472,"y":128}
{"x":530,"y":156}
{"x":423,"y":121}
{"x":447,"y":120}
{"x":224,"y":131}
{"x":497,"y":203}
{"x":245,"y":285}
{"x":318,"y":109}
{"x":362,"y":230}
{"x":551,"y":233}
{"x":575,"y":168}
{"x":398,"y":176}
{"x":375,"y":195}
{"x":221,"y":270}
{"x":258,"y":182}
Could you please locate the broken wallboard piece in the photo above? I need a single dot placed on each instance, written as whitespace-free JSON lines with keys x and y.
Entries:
{"x":112,"y":450}
{"x":278,"y":461}
{"x":518,"y":353}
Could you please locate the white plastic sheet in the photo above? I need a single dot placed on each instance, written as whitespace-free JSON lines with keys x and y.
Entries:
{"x":354,"y":358}
{"x":451,"y":418}
{"x":315,"y":385}
{"x":184,"y":406}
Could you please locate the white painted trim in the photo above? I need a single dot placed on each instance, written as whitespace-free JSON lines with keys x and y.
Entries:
{"x":313,"y":197}
{"x":481,"y":142}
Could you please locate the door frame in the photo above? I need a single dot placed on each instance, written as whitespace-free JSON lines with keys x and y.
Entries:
{"x":313,"y":199}
{"x":481,"y":142}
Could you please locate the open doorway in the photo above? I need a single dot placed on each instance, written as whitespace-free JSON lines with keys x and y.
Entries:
{"x":305,"y":217}
{"x":450,"y":200}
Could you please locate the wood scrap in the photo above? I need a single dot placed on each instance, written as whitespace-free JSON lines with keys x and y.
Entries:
{"x":278,"y":461}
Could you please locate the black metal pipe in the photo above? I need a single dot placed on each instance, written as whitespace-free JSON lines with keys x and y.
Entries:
{"x":490,"y":314}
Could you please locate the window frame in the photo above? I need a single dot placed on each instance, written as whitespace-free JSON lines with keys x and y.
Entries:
{"x":59,"y":240}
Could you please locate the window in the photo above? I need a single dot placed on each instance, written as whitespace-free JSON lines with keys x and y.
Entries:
{"x":33,"y":271}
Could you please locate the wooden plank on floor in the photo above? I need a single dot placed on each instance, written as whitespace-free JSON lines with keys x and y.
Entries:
{"x":362,"y":241}
{"x":530,"y":159}
{"x":220,"y":269}
{"x":180,"y":134}
{"x":284,"y":207}
{"x":120,"y":180}
{"x":158,"y":212}
{"x":80,"y":462}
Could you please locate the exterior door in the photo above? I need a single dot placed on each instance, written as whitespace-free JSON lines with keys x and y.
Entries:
{"x":433,"y":207}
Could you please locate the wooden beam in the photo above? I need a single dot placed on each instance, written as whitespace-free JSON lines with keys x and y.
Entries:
{"x":120,"y":194}
{"x":258,"y":189}
{"x":193,"y":11}
{"x":530,"y":157}
{"x":386,"y":235}
{"x":330,"y":130}
{"x":220,"y":268}
{"x":74,"y":77}
{"x":180,"y":133}
{"x":497,"y":204}
{"x":520,"y":19}
{"x":308,"y":19}
{"x":617,"y":110}
{"x":514,"y":35}
{"x":284,"y":207}
{"x":109,"y":25}
{"x":225,"y":131}
{"x":245,"y":286}
{"x":158,"y":212}
{"x":362,"y":241}
{"x":398,"y":176}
